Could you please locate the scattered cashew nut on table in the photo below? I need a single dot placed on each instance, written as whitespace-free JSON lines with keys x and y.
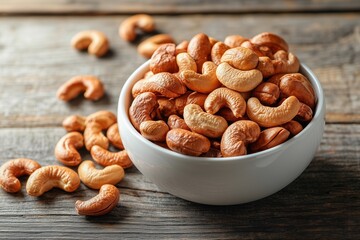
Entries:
{"x":129,"y":26}
{"x":66,"y":149}
{"x":107,"y":158}
{"x":149,"y":46}
{"x":95,"y":42}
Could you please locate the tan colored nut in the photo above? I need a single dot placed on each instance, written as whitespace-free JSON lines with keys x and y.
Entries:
{"x":203,"y":83}
{"x":141,"y":108}
{"x":224,"y":97}
{"x":66,"y":149}
{"x":48,"y":177}
{"x":14,"y":168}
{"x":182,"y":47}
{"x":213,"y":153}
{"x":285,"y":62}
{"x":148,"y":74}
{"x":174,"y":121}
{"x":260,"y":50}
{"x":217,"y":52}
{"x":229,"y":115}
{"x":293,"y":127}
{"x":91,"y":86}
{"x":234,"y":40}
{"x":164,"y":84}
{"x":237,"y":136}
{"x":199,"y":49}
{"x":164,"y":59}
{"x":212,"y":41}
{"x":106,"y":158}
{"x":204,"y":123}
{"x":104,"y":118}
{"x":240,"y":58}
{"x":187,"y":142}
{"x":95,"y":178}
{"x":74,"y":123}
{"x":101,"y":204}
{"x":269,"y":138}
{"x":154,"y":130}
{"x":197,"y":98}
{"x":266,"y":67}
{"x":271,"y":40}
{"x":149,"y":46}
{"x":305,"y":113}
{"x":272,"y":116}
{"x":180,"y":102}
{"x":267,"y":93}
{"x":238,"y":80}
{"x":166,"y":108}
{"x":276,"y":78}
{"x":128,"y":27}
{"x":185,"y":62}
{"x":113,"y":134}
{"x":93,"y":136}
{"x":95,"y":42}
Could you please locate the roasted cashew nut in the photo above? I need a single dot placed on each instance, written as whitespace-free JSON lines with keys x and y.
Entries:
{"x":149,"y":46}
{"x":267,"y":93}
{"x":234,"y":40}
{"x":101,"y":204}
{"x":128,"y":27}
{"x":271,"y":40}
{"x":197,"y":98}
{"x":240,"y":58}
{"x":199,"y":49}
{"x":104,"y":118}
{"x":48,"y":177}
{"x":266,"y":67}
{"x":93,"y":135}
{"x":113,"y":134}
{"x":141,"y":108}
{"x":187,"y":142}
{"x":185,"y":62}
{"x":154,"y":130}
{"x":293,"y":127}
{"x":174,"y":121}
{"x":95,"y":41}
{"x":106,"y":158}
{"x":91,"y":86}
{"x":66,"y":149}
{"x":285,"y":62}
{"x":74,"y":123}
{"x":95,"y":178}
{"x":164,"y":59}
{"x":12,"y":169}
{"x":182,"y":47}
{"x":269,"y":138}
{"x":217,"y":52}
{"x":260,"y":50}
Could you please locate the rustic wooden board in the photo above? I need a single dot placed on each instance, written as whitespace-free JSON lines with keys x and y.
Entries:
{"x":323,"y":203}
{"x":172,"y":6}
{"x":36,"y":58}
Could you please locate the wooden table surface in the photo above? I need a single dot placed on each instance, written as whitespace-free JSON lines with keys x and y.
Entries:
{"x":36,"y":58}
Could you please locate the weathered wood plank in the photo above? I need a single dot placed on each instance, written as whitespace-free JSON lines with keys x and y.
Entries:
{"x":173,"y":6}
{"x":323,"y":203}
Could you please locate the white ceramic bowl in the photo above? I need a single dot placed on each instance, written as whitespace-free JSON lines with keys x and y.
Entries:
{"x":222,"y":181}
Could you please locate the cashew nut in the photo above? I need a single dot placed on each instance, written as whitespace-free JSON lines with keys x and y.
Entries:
{"x":106,"y":158}
{"x":174,"y":121}
{"x":271,"y":40}
{"x":238,"y":80}
{"x":199,"y":49}
{"x":267,"y":93}
{"x":187,"y":142}
{"x":234,"y":40}
{"x":285,"y":62}
{"x":90,"y":85}
{"x":185,"y":62}
{"x":266,"y":67}
{"x":74,"y":123}
{"x":113,"y":134}
{"x":269,"y":138}
{"x":66,"y":149}
{"x":149,"y":46}
{"x":48,"y":177}
{"x":224,"y":97}
{"x":260,"y":50}
{"x":182,"y":47}
{"x":141,"y":108}
{"x":205,"y":82}
{"x":204,"y":123}
{"x":164,"y":59}
{"x":305,"y":113}
{"x":128,"y":27}
{"x":166,"y":108}
{"x":104,"y":118}
{"x":95,"y":41}
{"x":229,"y":115}
{"x":197,"y":98}
{"x":272,"y":116}
{"x":180,"y":102}
{"x":154,"y":130}
{"x":217,"y":51}
{"x":101,"y":204}
{"x":237,"y":136}
{"x":12,"y":169}
{"x":93,"y":136}
{"x":240,"y":58}
{"x":95,"y":178}
{"x":293,"y":127}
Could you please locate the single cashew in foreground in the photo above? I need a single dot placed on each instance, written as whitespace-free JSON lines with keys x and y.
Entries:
{"x":285,"y":62}
{"x":141,"y":108}
{"x":174,"y":121}
{"x":101,"y":204}
{"x":293,"y":127}
{"x":271,"y":40}
{"x":272,"y":116}
{"x":66,"y":149}
{"x":74,"y":123}
{"x":93,"y":136}
{"x":203,"y":83}
{"x":149,"y":46}
{"x":182,"y":47}
{"x":238,"y":80}
{"x":185,"y":62}
{"x":104,"y":118}
{"x":14,"y":168}
{"x":163,"y":84}
{"x":240,"y":58}
{"x":96,"y":42}
{"x":164,"y":59}
{"x":224,"y":97}
{"x":113,"y":134}
{"x":154,"y":130}
{"x":267,"y":93}
{"x":187,"y":142}
{"x":48,"y":177}
{"x":90,"y":85}
{"x":106,"y":158}
{"x":269,"y":138}
{"x":237,"y":136}
{"x":217,"y":52}
{"x":234,"y":40}
{"x":95,"y":178}
{"x":128,"y":27}
{"x":199,"y":49}
{"x":204,"y":123}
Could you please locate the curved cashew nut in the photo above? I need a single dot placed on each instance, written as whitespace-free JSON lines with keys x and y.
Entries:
{"x":48,"y":177}
{"x":271,"y":40}
{"x":104,"y":118}
{"x":237,"y":136}
{"x":234,"y":40}
{"x":127,"y":29}
{"x":141,"y":108}
{"x":224,"y":97}
{"x":154,"y":130}
{"x":101,"y":204}
{"x":95,"y":178}
{"x":74,"y":123}
{"x":285,"y":62}
{"x":166,"y":108}
{"x":260,"y":50}
{"x":93,"y":136}
{"x":272,"y":116}
{"x":149,"y":46}
{"x":267,"y":93}
{"x":204,"y":123}
{"x":266,"y":67}
{"x":113,"y":134}
{"x":96,"y":42}
{"x":106,"y":158}
{"x":197,"y":98}
{"x":164,"y":83}
{"x":12,"y":169}
{"x":240,"y":58}
{"x":293,"y":127}
{"x":199,"y":49}
{"x":185,"y":62}
{"x":229,"y":115}
{"x":164,"y":59}
{"x":90,"y":85}
{"x":187,"y":142}
{"x":238,"y":80}
{"x":203,"y":83}
{"x":182,"y":47}
{"x":174,"y":121}
{"x":269,"y":138}
{"x":66,"y":149}
{"x":217,"y":52}
{"x":305,"y":113}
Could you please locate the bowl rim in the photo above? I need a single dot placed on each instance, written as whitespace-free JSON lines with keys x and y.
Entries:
{"x":122,"y":111}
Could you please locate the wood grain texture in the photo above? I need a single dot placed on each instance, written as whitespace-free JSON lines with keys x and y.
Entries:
{"x":172,"y":6}
{"x":323,"y":203}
